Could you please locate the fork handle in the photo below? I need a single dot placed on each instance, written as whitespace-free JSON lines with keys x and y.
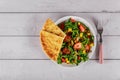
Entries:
{"x":100,"y":53}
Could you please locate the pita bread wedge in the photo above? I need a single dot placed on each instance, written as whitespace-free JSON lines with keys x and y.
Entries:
{"x":51,"y":44}
{"x":51,"y":27}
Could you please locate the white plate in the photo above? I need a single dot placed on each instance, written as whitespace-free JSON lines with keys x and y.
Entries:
{"x":90,"y":26}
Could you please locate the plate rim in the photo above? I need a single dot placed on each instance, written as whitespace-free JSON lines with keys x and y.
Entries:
{"x":92,"y":29}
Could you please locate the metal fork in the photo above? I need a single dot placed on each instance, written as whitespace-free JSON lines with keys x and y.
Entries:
{"x":100,"y":31}
{"x":100,"y":25}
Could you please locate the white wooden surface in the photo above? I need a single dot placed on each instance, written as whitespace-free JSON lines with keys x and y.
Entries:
{"x":21,"y":56}
{"x":59,"y":6}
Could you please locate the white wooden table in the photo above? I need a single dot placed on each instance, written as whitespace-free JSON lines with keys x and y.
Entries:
{"x":21,"y":57}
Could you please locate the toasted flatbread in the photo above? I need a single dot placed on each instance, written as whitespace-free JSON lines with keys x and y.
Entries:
{"x":51,"y":44}
{"x":51,"y":27}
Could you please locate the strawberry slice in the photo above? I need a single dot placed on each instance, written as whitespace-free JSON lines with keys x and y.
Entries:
{"x":62,"y":26}
{"x":72,"y":20}
{"x":63,"y":59}
{"x":78,"y":57}
{"x":82,"y":28}
{"x":66,"y":51}
{"x":77,"y":46}
{"x":87,"y":47}
{"x":67,"y":38}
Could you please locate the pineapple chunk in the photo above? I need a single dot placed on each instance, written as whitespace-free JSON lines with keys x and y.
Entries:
{"x":67,"y":61}
{"x":81,"y":34}
{"x":88,"y":34}
{"x":78,"y":23}
{"x":84,"y":52}
{"x":69,"y":29}
{"x":91,"y":44}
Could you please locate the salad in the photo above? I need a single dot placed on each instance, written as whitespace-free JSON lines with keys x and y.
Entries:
{"x":77,"y":44}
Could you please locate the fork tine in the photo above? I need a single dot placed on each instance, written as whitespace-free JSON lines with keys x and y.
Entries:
{"x":100,"y":29}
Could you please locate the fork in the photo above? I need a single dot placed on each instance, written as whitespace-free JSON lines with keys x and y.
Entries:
{"x":102,"y":22}
{"x":100,"y":31}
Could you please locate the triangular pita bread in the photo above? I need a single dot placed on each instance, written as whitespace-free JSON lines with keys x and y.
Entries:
{"x":51,"y":27}
{"x":51,"y":44}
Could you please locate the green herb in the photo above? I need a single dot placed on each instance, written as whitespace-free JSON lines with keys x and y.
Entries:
{"x":72,"y":58}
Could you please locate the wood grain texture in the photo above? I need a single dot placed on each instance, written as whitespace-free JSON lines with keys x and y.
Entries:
{"x":30,"y":24}
{"x":21,"y":56}
{"x":59,"y":6}
{"x":29,"y":48}
{"x":34,"y":70}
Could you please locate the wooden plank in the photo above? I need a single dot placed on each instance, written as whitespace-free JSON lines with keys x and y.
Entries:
{"x":29,"y":48}
{"x":59,"y":6}
{"x":34,"y":70}
{"x":21,"y":48}
{"x":30,"y":24}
